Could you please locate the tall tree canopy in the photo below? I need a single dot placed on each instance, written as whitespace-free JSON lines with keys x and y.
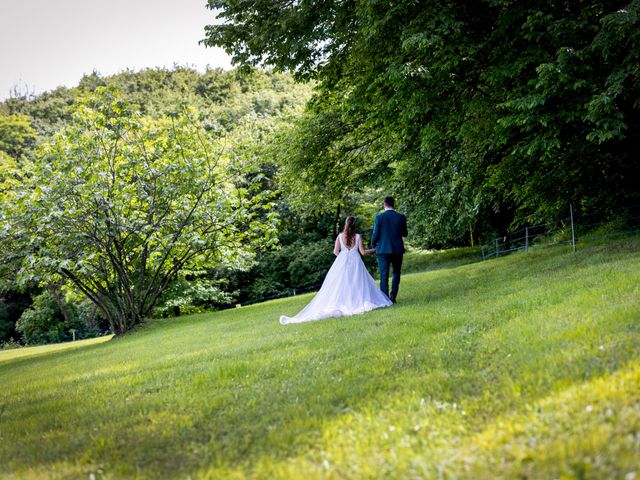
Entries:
{"x":16,"y":135}
{"x":119,"y":204}
{"x":240,"y":110}
{"x":480,"y":114}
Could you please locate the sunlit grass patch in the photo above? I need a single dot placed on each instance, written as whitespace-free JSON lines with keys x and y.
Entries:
{"x":56,"y":347}
{"x":522,"y":366}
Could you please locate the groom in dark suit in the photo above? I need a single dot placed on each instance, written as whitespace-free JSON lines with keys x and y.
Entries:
{"x":388,"y":229}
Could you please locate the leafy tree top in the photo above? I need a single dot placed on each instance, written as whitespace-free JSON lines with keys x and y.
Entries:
{"x":119,"y":204}
{"x":480,"y":115}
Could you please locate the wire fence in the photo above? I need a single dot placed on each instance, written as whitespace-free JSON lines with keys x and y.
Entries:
{"x":570,"y":230}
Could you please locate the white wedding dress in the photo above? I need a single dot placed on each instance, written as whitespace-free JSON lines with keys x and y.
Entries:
{"x":348,"y":289}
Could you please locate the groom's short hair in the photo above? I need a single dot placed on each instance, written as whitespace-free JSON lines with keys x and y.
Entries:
{"x":389,"y":202}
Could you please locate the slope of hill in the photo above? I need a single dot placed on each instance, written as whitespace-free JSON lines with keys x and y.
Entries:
{"x":522,"y":367}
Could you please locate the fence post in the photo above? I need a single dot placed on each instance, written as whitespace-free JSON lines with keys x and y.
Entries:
{"x":526,"y":239}
{"x":573,"y":231}
{"x":496,"y":247}
{"x":482,"y":250}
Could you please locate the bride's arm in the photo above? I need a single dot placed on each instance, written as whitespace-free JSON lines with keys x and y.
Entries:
{"x":336,"y":247}
{"x":361,"y":247}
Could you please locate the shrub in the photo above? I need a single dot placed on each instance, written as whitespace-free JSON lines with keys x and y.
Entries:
{"x":42,"y":322}
{"x":10,"y":344}
{"x":190,"y":296}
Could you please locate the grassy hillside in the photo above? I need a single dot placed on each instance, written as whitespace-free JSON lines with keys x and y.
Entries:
{"x":521,"y":367}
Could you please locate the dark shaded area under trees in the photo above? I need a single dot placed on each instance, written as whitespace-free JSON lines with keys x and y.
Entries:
{"x":480,"y":116}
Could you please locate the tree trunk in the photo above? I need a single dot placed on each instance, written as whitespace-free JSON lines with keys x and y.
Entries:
{"x":122,"y":310}
{"x":55,"y":293}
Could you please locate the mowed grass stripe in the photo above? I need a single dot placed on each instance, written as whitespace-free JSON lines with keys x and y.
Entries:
{"x":524,"y":365}
{"x":12,"y":354}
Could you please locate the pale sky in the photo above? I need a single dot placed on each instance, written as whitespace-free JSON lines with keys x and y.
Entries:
{"x":49,"y":43}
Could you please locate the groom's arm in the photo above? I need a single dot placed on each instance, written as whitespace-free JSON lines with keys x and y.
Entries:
{"x":403,"y":227}
{"x":375,"y":236}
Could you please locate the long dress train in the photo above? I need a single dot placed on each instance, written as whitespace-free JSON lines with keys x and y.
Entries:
{"x":348,"y":289}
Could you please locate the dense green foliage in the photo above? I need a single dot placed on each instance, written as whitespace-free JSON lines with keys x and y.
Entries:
{"x":239,"y":112}
{"x":192,"y":295}
{"x":223,"y":99}
{"x":520,"y":367}
{"x":479,"y":115}
{"x":47,"y":321}
{"x":42,"y":322}
{"x":120,"y":205}
{"x":16,"y":135}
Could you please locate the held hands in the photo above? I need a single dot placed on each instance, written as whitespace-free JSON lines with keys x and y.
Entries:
{"x":370,"y":251}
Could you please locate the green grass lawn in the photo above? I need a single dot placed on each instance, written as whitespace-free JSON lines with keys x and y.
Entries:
{"x":525,"y":366}
{"x":12,"y":354}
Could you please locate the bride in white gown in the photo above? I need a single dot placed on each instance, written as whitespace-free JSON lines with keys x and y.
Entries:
{"x":348,"y":288}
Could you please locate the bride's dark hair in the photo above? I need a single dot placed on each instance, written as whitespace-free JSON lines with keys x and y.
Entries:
{"x":349,"y":231}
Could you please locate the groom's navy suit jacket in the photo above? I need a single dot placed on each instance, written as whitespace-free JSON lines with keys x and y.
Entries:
{"x":388,"y":229}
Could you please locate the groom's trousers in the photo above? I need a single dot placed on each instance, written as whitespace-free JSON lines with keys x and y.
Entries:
{"x":385,"y":261}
